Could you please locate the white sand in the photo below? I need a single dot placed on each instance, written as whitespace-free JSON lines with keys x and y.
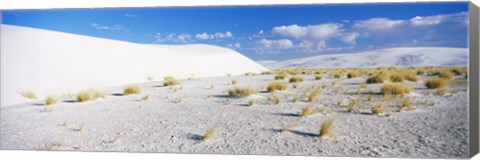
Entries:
{"x":50,"y":62}
{"x":438,"y":130}
{"x":402,"y":57}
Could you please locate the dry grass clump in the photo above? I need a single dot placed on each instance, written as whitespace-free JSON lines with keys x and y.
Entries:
{"x":412,"y":77}
{"x":210,"y":134}
{"x":281,"y":76}
{"x":145,"y":98}
{"x":441,"y":91}
{"x":132,"y":89}
{"x":421,"y":71}
{"x":352,"y":105}
{"x":250,"y":74}
{"x":406,"y":103}
{"x":272,"y":87}
{"x":379,"y":78}
{"x":318,"y":77}
{"x":28,"y":95}
{"x":444,"y":73}
{"x":296,"y":79}
{"x":313,"y":96}
{"x":353,"y":74}
{"x":396,"y":77}
{"x":307,"y":111}
{"x":50,"y":100}
{"x":242,"y":92}
{"x":251,"y":103}
{"x":326,"y":128}
{"x":436,"y":83}
{"x":377,"y":109}
{"x":266,"y":72}
{"x":170,"y":81}
{"x":458,"y":70}
{"x":88,"y":95}
{"x":395,"y":89}
{"x":274,"y":99}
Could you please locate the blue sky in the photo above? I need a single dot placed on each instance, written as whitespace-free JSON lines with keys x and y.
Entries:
{"x":267,"y":32}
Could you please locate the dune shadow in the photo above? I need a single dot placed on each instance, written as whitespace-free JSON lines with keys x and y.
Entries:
{"x":223,"y":96}
{"x":195,"y":137}
{"x":353,"y":83}
{"x":159,"y":86}
{"x":302,"y":133}
{"x":288,"y":114}
{"x":69,"y":101}
{"x":117,"y":94}
{"x":38,"y":104}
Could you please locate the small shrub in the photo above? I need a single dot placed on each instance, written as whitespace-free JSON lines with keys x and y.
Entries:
{"x":314,"y":95}
{"x":251,"y":103}
{"x":170,"y":81}
{"x":50,"y":100}
{"x":395,"y":89}
{"x":88,"y":95}
{"x":445,"y":74}
{"x":326,"y":128}
{"x":242,"y":92}
{"x":318,"y":77}
{"x":210,"y":134}
{"x":28,"y":95}
{"x":457,"y":70}
{"x":296,"y":79}
{"x":396,"y":78}
{"x":411,"y":77}
{"x":380,"y":78}
{"x":377,"y":109}
{"x":272,"y":87}
{"x":436,"y":83}
{"x":353,"y":74}
{"x":274,"y":99}
{"x":132,"y":89}
{"x":307,"y":111}
{"x":280,"y":76}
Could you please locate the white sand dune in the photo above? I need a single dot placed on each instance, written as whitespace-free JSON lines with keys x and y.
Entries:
{"x":415,"y":56}
{"x":50,"y":62}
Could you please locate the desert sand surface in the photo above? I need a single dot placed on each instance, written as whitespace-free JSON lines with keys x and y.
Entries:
{"x":175,"y":119}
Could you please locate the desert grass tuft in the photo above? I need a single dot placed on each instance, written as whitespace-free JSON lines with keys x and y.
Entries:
{"x":274,"y":99}
{"x":50,"y":100}
{"x":406,"y":104}
{"x":308,"y":111}
{"x":318,"y":77}
{"x":242,"y":92}
{"x":296,"y":79}
{"x":145,"y":98}
{"x":380,"y":78}
{"x":280,"y":76}
{"x":353,"y":74}
{"x":132,"y":89}
{"x":170,"y":81}
{"x":395,"y":89}
{"x":353,"y":105}
{"x":28,"y":95}
{"x":274,"y":86}
{"x":88,"y":95}
{"x":396,"y":77}
{"x":327,"y":128}
{"x":313,"y":96}
{"x":412,"y":77}
{"x":436,"y":83}
{"x":210,"y":134}
{"x":377,"y":109}
{"x":251,"y":103}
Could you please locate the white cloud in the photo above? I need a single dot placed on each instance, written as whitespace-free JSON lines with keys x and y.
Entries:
{"x":260,"y":32}
{"x":206,"y":36}
{"x":131,"y":15}
{"x":437,"y":19}
{"x":378,"y":24}
{"x":234,"y":45}
{"x":276,"y":44}
{"x":113,"y":27}
{"x":350,"y":38}
{"x":314,"y":32}
{"x":183,"y":37}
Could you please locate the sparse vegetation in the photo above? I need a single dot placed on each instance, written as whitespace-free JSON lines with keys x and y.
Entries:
{"x":436,"y":83}
{"x":88,"y":95}
{"x":251,"y":103}
{"x":396,"y":78}
{"x":313,"y":96}
{"x":132,"y":89}
{"x":395,"y":89}
{"x":326,"y":128}
{"x":318,"y":77}
{"x":50,"y":100}
{"x":145,"y":98}
{"x":412,"y":77}
{"x":210,"y":134}
{"x":353,"y":74}
{"x":352,"y":105}
{"x":380,"y":78}
{"x":274,"y":99}
{"x":280,"y":76}
{"x":170,"y":81}
{"x":308,"y":111}
{"x":242,"y":92}
{"x":296,"y":79}
{"x":28,"y":95}
{"x":274,"y":86}
{"x":234,"y":82}
{"x":377,"y":109}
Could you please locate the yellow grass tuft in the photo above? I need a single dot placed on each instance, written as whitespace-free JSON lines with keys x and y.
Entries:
{"x":436,"y":83}
{"x":318,"y":77}
{"x":210,"y":134}
{"x":308,"y":111}
{"x":380,"y":78}
{"x":132,"y":89}
{"x":50,"y":100}
{"x":353,"y":74}
{"x":396,"y":77}
{"x":412,"y":77}
{"x":445,"y":74}
{"x":88,"y":95}
{"x":281,"y":76}
{"x":313,"y":96}
{"x":251,"y":103}
{"x":406,"y":103}
{"x":28,"y":95}
{"x":242,"y":92}
{"x":145,"y":98}
{"x":272,"y":87}
{"x":377,"y":109}
{"x":352,"y":105}
{"x":274,"y":99}
{"x":170,"y":81}
{"x":395,"y":89}
{"x":296,"y":79}
{"x":441,"y":91}
{"x":326,"y":128}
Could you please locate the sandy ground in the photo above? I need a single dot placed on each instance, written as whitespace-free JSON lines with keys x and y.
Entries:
{"x":437,"y":129}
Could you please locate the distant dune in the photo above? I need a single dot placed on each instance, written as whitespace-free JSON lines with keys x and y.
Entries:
{"x":50,"y":62}
{"x":420,"y":56}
